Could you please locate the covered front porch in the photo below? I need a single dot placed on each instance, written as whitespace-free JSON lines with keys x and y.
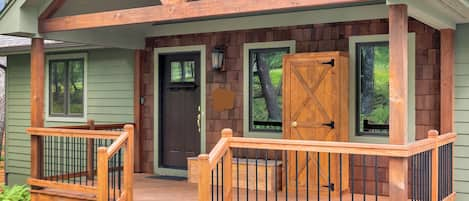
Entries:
{"x":411,"y":163}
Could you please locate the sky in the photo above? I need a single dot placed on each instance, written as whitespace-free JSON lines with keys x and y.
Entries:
{"x":2,"y":4}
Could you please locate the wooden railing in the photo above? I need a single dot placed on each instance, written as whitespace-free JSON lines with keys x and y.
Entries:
{"x":333,"y":171}
{"x":93,"y":161}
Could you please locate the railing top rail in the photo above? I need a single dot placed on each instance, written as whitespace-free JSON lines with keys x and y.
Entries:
{"x":60,"y":132}
{"x":117,"y":144}
{"x":390,"y":150}
{"x":343,"y":147}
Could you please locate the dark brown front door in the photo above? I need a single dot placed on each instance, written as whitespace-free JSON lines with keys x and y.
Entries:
{"x":179,"y":109}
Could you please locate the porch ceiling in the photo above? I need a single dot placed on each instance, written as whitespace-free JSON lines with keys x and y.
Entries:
{"x":92,"y":6}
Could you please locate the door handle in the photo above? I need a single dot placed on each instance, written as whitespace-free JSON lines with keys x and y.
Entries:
{"x":198,"y":118}
{"x":330,"y":124}
{"x":294,"y":124}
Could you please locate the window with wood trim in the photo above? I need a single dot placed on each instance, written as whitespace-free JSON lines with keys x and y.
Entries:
{"x":372,"y":88}
{"x":265,"y":89}
{"x":66,"y":88}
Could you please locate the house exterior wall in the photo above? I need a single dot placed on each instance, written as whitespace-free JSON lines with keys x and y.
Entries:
{"x":461,"y":172}
{"x":110,"y":100}
{"x":309,"y":38}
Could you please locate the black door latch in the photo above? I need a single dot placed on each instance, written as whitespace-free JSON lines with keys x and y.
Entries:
{"x":331,"y":62}
{"x":330,"y":124}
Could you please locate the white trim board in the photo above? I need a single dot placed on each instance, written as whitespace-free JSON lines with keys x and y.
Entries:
{"x":352,"y":83}
{"x":49,"y":118}
{"x":179,"y":49}
{"x":291,"y":44}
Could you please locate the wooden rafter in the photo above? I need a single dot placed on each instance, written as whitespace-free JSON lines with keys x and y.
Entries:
{"x":51,"y":9}
{"x":176,"y":12}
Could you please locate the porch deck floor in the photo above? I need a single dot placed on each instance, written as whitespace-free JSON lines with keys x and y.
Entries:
{"x":146,"y":189}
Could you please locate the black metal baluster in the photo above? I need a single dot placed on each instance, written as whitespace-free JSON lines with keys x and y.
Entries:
{"x":119,"y":172}
{"x":275,"y":176}
{"x":237,"y":173}
{"x":74,"y":160}
{"x":218,"y":174}
{"x":286,"y":175}
{"x":420,"y":176}
{"x":364,"y":176}
{"x":62,"y":158}
{"x":266,"y":178}
{"x":451,"y":168}
{"x":307,"y":176}
{"x":257,"y":177}
{"x":318,"y":164}
{"x":376,"y":178}
{"x":212,"y":186}
{"x":80,"y":153}
{"x":329,"y":175}
{"x":68,"y":160}
{"x":296,"y":175}
{"x":247,"y":175}
{"x":56,"y":159}
{"x":340,"y":176}
{"x":352,"y":177}
{"x":222,"y":179}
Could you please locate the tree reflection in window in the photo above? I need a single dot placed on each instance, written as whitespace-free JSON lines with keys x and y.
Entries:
{"x":66,"y":88}
{"x":373,"y":88}
{"x":265,"y":89}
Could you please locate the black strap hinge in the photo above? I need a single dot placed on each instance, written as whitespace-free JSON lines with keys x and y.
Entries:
{"x":330,"y":124}
{"x":331,"y":62}
{"x":331,"y":186}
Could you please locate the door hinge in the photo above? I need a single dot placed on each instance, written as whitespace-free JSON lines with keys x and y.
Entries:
{"x":330,"y":124}
{"x":332,"y":187}
{"x":142,"y":100}
{"x":331,"y":62}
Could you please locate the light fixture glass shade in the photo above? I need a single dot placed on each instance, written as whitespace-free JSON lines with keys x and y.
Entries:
{"x":217,"y":58}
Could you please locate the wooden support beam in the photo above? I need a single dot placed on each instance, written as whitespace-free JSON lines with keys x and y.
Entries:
{"x":37,"y":105}
{"x":129,"y":162}
{"x":447,"y":80}
{"x":398,"y":95}
{"x":176,"y":12}
{"x":138,"y":109}
{"x":51,"y":9}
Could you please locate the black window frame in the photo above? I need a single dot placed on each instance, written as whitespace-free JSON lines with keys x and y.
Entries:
{"x":358,"y":123}
{"x":67,"y":113}
{"x":250,"y":116}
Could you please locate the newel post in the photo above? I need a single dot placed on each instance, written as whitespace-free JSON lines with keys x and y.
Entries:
{"x":102,"y":174}
{"x":227,"y":167}
{"x":129,"y":162}
{"x":433,"y":134}
{"x":204,"y":177}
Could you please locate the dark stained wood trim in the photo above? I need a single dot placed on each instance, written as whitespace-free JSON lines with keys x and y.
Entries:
{"x":398,"y":93}
{"x":37,"y":104}
{"x":51,"y":9}
{"x":138,"y":109}
{"x":447,"y":80}
{"x":177,"y":11}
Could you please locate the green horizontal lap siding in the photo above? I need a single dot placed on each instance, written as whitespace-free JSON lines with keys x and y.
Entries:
{"x":110,"y":100}
{"x":461,"y":174}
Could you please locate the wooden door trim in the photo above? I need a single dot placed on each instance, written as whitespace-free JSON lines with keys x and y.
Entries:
{"x":201,"y":49}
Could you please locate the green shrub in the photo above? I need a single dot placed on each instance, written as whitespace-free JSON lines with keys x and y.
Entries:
{"x":15,"y":193}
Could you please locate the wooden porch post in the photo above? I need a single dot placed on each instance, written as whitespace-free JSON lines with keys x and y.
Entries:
{"x":398,"y":93}
{"x":447,"y":80}
{"x":37,"y":104}
{"x":138,"y":109}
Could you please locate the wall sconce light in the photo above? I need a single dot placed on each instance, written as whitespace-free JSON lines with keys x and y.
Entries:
{"x":218,"y":56}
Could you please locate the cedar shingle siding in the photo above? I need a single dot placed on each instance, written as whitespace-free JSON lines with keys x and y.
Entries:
{"x":310,"y":38}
